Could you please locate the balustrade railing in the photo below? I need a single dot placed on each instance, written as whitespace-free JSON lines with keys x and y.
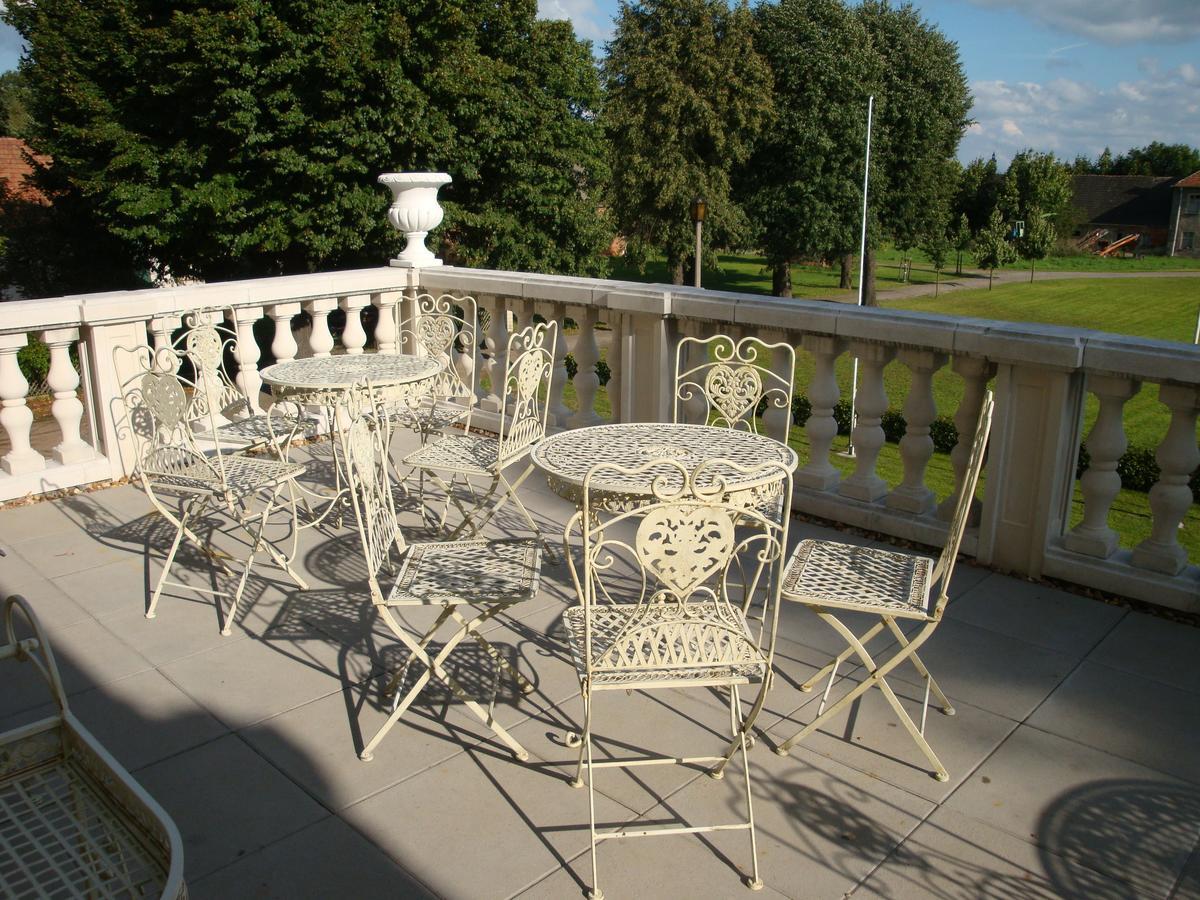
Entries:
{"x":1043,"y":377}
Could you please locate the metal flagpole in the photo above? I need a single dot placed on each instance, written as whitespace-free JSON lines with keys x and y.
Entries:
{"x":862,"y":261}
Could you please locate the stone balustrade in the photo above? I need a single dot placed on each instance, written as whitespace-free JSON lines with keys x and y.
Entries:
{"x":1042,"y":377}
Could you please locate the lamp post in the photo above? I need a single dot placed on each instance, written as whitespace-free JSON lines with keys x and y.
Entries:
{"x":699,"y":210}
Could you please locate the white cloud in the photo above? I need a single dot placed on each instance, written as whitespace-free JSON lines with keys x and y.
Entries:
{"x":1069,"y":117}
{"x":1113,"y":21}
{"x":589,"y":22}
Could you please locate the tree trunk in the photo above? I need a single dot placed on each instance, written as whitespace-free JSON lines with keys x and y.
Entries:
{"x":868,"y":285}
{"x":847,"y":263}
{"x":991,"y":272}
{"x":1032,"y":263}
{"x":937,"y":281}
{"x":958,"y":264}
{"x":781,"y":279}
{"x":675,"y":267}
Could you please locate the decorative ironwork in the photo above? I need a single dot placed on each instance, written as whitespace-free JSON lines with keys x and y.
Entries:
{"x":441,"y":328}
{"x":825,"y":576}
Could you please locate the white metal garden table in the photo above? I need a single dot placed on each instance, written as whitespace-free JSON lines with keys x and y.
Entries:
{"x":326,"y":382}
{"x":567,"y":457}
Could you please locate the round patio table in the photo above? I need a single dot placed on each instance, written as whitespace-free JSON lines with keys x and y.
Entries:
{"x":568,"y":456}
{"x":327,"y":381}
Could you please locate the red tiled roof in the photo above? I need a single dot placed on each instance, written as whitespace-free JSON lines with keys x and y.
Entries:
{"x":1192,"y":180}
{"x":15,"y":168}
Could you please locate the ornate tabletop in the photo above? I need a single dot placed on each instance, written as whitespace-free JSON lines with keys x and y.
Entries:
{"x":330,"y":373}
{"x":567,"y":457}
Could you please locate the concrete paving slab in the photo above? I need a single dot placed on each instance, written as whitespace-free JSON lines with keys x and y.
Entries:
{"x":327,"y":859}
{"x":58,"y":554}
{"x":869,"y":737}
{"x":1153,"y":647}
{"x":183,"y":625}
{"x":1188,"y":885}
{"x":480,"y":825}
{"x":1159,"y":724}
{"x":33,"y":522}
{"x":951,"y":855}
{"x":1036,"y":613}
{"x":1112,"y":815}
{"x":144,"y":718}
{"x":115,"y":588}
{"x":227,"y":802}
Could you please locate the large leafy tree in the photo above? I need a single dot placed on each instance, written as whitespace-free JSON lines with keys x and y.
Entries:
{"x":802,"y":185}
{"x":239,"y":137}
{"x":1037,"y":191}
{"x":685,"y":95}
{"x":921,"y":113}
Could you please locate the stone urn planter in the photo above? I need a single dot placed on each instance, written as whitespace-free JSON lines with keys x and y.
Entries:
{"x":415,"y":212}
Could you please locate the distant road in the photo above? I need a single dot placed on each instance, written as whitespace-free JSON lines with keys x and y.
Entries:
{"x":977,"y":278}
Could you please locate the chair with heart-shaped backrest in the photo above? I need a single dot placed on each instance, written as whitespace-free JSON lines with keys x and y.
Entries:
{"x":660,"y":587}
{"x":187,"y":477}
{"x":442,"y":328}
{"x":735,"y":384}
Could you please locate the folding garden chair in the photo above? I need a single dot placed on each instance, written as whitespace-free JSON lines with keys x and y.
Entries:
{"x":443,"y":328}
{"x":173,"y":469}
{"x":720,"y":381}
{"x":656,"y":611}
{"x":529,"y":363}
{"x":472,"y":581}
{"x":220,"y":410}
{"x":826,"y":576}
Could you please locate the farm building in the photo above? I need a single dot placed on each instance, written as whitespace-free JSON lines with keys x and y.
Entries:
{"x":1164,"y":213}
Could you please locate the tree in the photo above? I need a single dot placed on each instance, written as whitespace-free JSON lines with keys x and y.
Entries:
{"x":978,"y":191}
{"x":802,"y":184}
{"x":1037,"y":181}
{"x":1038,"y":238}
{"x":685,"y":96}
{"x":1157,"y":158}
{"x":992,"y":248}
{"x":961,"y":239}
{"x":936,"y":246}
{"x":14,"y":114}
{"x":239,"y":138}
{"x":921,"y":113}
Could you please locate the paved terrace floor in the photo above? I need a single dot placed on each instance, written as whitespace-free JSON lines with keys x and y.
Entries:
{"x":1073,"y":755}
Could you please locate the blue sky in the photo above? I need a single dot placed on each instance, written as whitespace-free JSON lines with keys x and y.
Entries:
{"x":1068,"y":76}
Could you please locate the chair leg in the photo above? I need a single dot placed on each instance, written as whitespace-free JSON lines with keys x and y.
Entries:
{"x":841,"y":657}
{"x":930,"y":683}
{"x":594,"y":892}
{"x":876,"y":678}
{"x":577,"y":781}
{"x":754,"y":882}
{"x":180,"y":529}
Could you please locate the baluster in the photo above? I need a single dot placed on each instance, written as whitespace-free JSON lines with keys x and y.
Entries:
{"x":485,"y":350}
{"x":819,"y":473}
{"x":385,"y":329}
{"x":864,"y":484}
{"x":66,"y":409}
{"x":248,"y":353}
{"x":777,"y":420}
{"x":559,"y":411}
{"x":523,"y":311}
{"x":975,"y":374}
{"x":1100,"y":484}
{"x":283,"y":344}
{"x":15,"y":416}
{"x":616,"y":364}
{"x":498,"y":345}
{"x":320,"y":341}
{"x":587,"y":354}
{"x":1177,"y":458}
{"x":161,"y":330}
{"x":916,"y":447}
{"x":354,"y":337}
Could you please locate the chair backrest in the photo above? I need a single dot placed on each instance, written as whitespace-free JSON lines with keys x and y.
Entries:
{"x":368,"y":469}
{"x":159,"y":405}
{"x":204,"y":345}
{"x":689,"y":562}
{"x":528,"y":367}
{"x":444,"y":328}
{"x":720,"y":381}
{"x":944,"y":568}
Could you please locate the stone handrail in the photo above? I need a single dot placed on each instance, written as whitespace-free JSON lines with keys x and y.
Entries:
{"x":1041,"y":375}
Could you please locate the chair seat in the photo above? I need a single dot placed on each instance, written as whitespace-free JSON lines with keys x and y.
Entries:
{"x":474,"y":572}
{"x":468,"y":454}
{"x":846,"y":576}
{"x":661,"y":644}
{"x":255,"y":431}
{"x":429,"y":415}
{"x":244,"y":474}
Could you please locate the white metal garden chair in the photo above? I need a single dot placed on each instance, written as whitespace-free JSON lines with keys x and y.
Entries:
{"x":443,"y":328}
{"x":528,"y":365}
{"x":675,"y":622}
{"x":826,"y":577}
{"x":472,"y":580}
{"x":720,"y":381}
{"x":220,"y":409}
{"x":174,"y":470}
